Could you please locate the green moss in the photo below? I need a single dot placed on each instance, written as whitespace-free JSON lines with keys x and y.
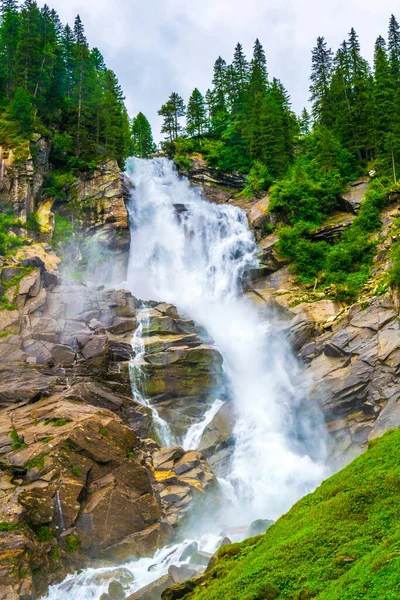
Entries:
{"x":57,"y":422}
{"x":17,"y":441}
{"x":342,"y":542}
{"x":44,"y":534}
{"x":36,"y":463}
{"x":74,"y":470}
{"x":72,"y":543}
{"x":103,"y":432}
{"x":8,"y":526}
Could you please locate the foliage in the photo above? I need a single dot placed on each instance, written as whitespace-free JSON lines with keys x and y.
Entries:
{"x":18,"y":442}
{"x":63,"y":230}
{"x":346,"y":264}
{"x":52,"y":82}
{"x":72,"y":543}
{"x":172,"y":111}
{"x":142,"y":138}
{"x":339,"y":543}
{"x":44,"y":534}
{"x":36,"y":463}
{"x":8,"y":241}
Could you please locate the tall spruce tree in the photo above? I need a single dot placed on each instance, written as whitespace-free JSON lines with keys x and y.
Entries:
{"x":9,"y":29}
{"x":172,"y":111}
{"x":142,"y":138}
{"x":321,"y":73}
{"x":196,"y":116}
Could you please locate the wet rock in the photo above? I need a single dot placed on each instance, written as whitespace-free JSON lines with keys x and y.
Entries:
{"x":259,"y":527}
{"x":154,"y":590}
{"x":116,"y":591}
{"x":351,"y":200}
{"x":200,"y":558}
{"x":188,"y":551}
{"x":182,"y":573}
{"x":62,"y":355}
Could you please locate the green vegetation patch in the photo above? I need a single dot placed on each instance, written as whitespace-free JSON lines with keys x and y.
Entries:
{"x":341,"y":542}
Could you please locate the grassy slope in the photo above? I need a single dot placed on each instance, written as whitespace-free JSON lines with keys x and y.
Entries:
{"x":341,"y":542}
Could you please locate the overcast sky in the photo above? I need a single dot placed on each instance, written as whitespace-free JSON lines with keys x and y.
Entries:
{"x":159,"y":46}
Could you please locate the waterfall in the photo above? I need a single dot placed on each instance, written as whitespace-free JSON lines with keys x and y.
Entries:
{"x":193,"y":436}
{"x":161,"y":427}
{"x":194,"y":253}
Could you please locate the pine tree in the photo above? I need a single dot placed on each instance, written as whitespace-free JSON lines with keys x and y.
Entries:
{"x":9,"y":29}
{"x":305,"y":122}
{"x":321,"y":72}
{"x":196,"y":114}
{"x":241,"y":68}
{"x":394,"y":48}
{"x":172,"y":111}
{"x":258,"y":70}
{"x":28,"y":55}
{"x":383,"y":95}
{"x":142,"y":138}
{"x":21,"y":111}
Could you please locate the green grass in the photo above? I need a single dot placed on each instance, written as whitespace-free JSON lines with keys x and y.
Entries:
{"x":341,"y":542}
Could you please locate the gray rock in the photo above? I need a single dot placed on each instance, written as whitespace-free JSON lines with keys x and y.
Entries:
{"x":9,"y":273}
{"x":116,"y":591}
{"x":182,"y":573}
{"x":188,"y":551}
{"x":200,"y":558}
{"x":259,"y":527}
{"x":63,"y":355}
{"x":154,"y":590}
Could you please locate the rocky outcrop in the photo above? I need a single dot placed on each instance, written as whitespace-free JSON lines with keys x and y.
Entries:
{"x":200,"y":173}
{"x":351,"y":200}
{"x":180,"y":372}
{"x":79,"y":476}
{"x":103,"y":195}
{"x":22,"y":172}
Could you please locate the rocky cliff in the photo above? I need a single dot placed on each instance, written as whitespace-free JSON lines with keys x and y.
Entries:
{"x":80,"y":475}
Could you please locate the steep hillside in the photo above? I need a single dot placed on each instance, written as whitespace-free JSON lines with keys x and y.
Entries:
{"x":339,"y":543}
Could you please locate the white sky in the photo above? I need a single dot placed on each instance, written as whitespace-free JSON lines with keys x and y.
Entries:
{"x":159,"y":46}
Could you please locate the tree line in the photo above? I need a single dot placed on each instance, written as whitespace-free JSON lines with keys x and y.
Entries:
{"x":53,"y":83}
{"x":245,"y":119}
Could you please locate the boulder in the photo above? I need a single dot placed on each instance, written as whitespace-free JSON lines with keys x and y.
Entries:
{"x":200,"y":558}
{"x":259,"y":527}
{"x":352,"y":199}
{"x":116,"y":591}
{"x":154,"y":590}
{"x":182,"y":573}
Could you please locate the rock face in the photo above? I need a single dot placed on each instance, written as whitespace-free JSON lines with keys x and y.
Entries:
{"x":79,"y":475}
{"x":22,"y":175}
{"x":180,"y":372}
{"x":201,"y":174}
{"x":352,"y":199}
{"x":103,"y":194}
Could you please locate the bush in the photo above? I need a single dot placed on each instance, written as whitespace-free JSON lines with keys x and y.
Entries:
{"x":259,"y":180}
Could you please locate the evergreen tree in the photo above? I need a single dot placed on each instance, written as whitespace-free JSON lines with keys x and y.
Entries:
{"x":142,"y":138}
{"x":21,"y":111}
{"x":394,"y":48}
{"x":321,"y":72}
{"x":305,"y":122}
{"x":196,"y":114}
{"x":9,"y":29}
{"x":241,"y":68}
{"x":172,"y":111}
{"x":258,"y":70}
{"x":383,"y":95}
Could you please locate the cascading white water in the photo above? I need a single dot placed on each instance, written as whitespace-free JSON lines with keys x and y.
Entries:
{"x":193,"y":436}
{"x":161,"y":427}
{"x":193,"y":253}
